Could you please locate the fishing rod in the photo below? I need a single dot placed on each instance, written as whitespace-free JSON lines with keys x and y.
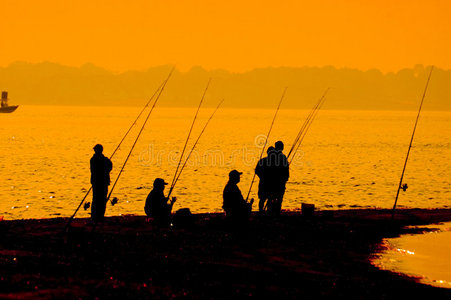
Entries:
{"x":139,"y":134}
{"x":189,"y":134}
{"x":400,"y":186}
{"x":308,"y":124}
{"x":115,"y":150}
{"x":266,"y":140}
{"x":192,"y":149}
{"x":134,"y":122}
{"x":304,"y":125}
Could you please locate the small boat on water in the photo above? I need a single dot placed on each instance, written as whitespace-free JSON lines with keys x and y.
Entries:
{"x":5,"y":108}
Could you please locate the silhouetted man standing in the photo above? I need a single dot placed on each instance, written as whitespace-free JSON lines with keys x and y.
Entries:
{"x":157,"y":205}
{"x":236,"y":208}
{"x":265,"y":171}
{"x":101,"y":167}
{"x":281,"y":175}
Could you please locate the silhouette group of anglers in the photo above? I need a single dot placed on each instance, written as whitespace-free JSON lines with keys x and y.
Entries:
{"x":273,"y":171}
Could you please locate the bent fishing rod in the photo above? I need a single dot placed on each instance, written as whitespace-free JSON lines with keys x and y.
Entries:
{"x":304,"y":125}
{"x":266,"y":140}
{"x":410,"y":145}
{"x":139,"y":134}
{"x":303,"y":132}
{"x":192,"y":149}
{"x":189,"y":134}
{"x":115,"y":150}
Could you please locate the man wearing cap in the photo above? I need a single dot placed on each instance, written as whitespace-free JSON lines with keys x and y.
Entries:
{"x":157,"y":205}
{"x":101,"y":167}
{"x":236,"y":208}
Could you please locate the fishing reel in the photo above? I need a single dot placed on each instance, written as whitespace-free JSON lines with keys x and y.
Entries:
{"x":114,"y":201}
{"x":87,"y":205}
{"x":404,"y":187}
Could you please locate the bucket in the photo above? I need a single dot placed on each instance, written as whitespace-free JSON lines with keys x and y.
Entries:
{"x":308,"y":210}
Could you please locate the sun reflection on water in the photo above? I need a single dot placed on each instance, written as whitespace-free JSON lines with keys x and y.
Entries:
{"x":426,"y":256}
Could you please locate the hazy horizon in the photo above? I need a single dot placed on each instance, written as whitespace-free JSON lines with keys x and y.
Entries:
{"x":210,"y":69}
{"x":50,"y":83}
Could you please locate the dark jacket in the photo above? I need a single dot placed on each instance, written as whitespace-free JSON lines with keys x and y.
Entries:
{"x":101,"y":167}
{"x":157,"y":205}
{"x":282,"y":167}
{"x":234,"y":202}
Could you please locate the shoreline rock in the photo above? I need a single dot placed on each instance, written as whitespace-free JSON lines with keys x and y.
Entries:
{"x":289,"y":256}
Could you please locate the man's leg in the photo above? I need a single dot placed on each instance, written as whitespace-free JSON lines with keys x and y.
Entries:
{"x":96,"y":202}
{"x":104,"y":201}
{"x":280,"y":194}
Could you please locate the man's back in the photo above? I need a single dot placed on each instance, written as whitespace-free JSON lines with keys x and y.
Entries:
{"x":233,"y":199}
{"x":101,"y":167}
{"x":281,"y":168}
{"x":156,"y":203}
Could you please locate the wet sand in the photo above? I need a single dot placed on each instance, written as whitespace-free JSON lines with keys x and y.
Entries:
{"x":291,"y":256}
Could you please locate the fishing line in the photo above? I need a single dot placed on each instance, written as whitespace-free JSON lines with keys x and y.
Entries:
{"x":410,"y":145}
{"x":304,"y":125}
{"x":266,"y":140}
{"x":139,"y":134}
{"x":192,"y":149}
{"x":189,"y":134}
{"x":309,"y":123}
{"x":115,"y":150}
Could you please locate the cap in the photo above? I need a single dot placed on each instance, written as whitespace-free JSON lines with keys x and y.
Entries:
{"x":159,"y":181}
{"x":234,"y":173}
{"x":98,"y":146}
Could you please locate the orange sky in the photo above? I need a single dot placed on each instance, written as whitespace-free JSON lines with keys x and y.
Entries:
{"x":236,"y":35}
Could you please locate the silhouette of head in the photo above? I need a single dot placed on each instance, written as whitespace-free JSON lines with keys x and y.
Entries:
{"x":234,"y":176}
{"x":159,"y":183}
{"x":279,"y":145}
{"x":98,"y":149}
{"x":270,"y":150}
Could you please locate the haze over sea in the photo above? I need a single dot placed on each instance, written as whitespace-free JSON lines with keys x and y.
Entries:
{"x":349,"y":159}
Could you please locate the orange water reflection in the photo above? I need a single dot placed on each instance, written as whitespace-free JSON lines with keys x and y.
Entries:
{"x":349,"y":159}
{"x":425,"y":256}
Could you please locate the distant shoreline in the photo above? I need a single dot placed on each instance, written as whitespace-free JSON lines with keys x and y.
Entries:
{"x":259,"y":88}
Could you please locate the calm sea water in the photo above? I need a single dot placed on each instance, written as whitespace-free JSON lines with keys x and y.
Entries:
{"x":425,"y":256}
{"x":349,"y":159}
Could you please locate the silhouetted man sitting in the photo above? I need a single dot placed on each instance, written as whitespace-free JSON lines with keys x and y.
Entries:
{"x":157,"y":205}
{"x":265,"y":170}
{"x":236,"y":208}
{"x":281,"y":175}
{"x":101,"y":167}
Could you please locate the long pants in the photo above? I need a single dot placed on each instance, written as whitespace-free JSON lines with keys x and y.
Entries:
{"x":275,"y":204}
{"x":99,"y":199}
{"x":263,"y":195}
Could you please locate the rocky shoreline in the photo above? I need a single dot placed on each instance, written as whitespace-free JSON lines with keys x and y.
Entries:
{"x":290,"y":256}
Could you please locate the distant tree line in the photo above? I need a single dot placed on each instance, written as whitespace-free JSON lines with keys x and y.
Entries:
{"x":53,"y":84}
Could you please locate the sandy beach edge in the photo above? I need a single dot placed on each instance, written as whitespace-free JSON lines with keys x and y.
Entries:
{"x":321,"y":256}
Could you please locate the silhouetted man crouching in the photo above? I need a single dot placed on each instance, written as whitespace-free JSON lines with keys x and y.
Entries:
{"x":157,"y":205}
{"x":236,"y":208}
